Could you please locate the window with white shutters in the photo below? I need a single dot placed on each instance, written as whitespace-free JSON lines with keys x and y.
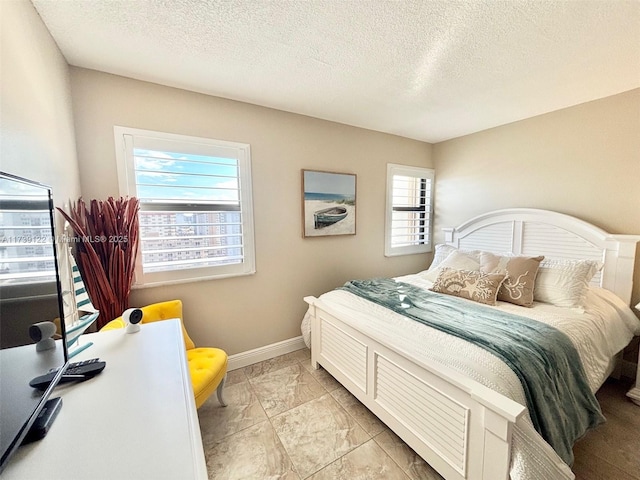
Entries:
{"x":409,"y":210}
{"x":26,"y":243}
{"x":196,"y":219}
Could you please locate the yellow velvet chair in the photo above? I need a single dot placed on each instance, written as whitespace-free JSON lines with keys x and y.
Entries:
{"x":208,"y":366}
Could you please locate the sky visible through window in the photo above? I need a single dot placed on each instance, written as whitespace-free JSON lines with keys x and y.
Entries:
{"x":185,"y":177}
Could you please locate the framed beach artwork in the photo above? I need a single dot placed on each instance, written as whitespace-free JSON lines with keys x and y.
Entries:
{"x":328,"y":203}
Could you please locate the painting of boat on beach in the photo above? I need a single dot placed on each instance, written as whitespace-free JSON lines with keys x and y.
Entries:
{"x":329,"y":203}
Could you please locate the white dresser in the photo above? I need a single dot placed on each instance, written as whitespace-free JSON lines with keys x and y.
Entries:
{"x":135,"y":420}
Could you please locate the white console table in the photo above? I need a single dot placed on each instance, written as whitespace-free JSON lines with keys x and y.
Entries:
{"x":135,"y":420}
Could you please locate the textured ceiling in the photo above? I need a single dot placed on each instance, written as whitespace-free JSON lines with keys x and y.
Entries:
{"x":429,"y":70}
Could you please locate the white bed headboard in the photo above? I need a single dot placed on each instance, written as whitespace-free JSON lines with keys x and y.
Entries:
{"x":527,"y":231}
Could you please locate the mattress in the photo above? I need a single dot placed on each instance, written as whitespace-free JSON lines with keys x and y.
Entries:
{"x":598,"y":333}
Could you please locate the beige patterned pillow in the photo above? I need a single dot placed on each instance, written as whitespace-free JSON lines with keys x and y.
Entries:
{"x":521,"y":276}
{"x":470,"y":284}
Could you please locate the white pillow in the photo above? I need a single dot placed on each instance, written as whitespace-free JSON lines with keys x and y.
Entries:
{"x":564,"y":283}
{"x":442,"y":251}
{"x":457,"y":261}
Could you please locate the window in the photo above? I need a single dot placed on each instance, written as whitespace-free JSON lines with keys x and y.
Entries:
{"x":409,"y":210}
{"x":196,"y":214}
{"x":26,"y":245}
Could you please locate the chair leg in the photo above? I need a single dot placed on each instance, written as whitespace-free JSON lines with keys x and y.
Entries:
{"x":219,"y":392}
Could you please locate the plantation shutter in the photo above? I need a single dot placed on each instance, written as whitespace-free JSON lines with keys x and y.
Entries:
{"x":195,"y":206}
{"x":409,"y":210}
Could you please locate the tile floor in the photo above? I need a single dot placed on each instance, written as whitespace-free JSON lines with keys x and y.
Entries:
{"x":287,"y":421}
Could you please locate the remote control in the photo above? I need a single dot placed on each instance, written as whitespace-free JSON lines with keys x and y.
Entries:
{"x":76,"y":365}
{"x":76,"y":372}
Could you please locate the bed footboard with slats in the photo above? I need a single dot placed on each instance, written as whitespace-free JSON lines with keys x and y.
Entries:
{"x":459,"y":426}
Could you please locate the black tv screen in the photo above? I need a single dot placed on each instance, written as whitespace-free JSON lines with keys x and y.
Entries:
{"x":30,"y":293}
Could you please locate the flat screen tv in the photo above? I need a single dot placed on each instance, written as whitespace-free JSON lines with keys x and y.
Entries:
{"x":30,"y":293}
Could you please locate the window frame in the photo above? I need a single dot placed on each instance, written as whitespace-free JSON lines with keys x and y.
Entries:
{"x":416,"y":172}
{"x":124,"y":138}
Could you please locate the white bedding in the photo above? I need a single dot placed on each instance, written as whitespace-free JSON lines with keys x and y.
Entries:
{"x":606,"y":327}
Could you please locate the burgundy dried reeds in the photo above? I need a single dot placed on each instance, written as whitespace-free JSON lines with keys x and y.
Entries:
{"x":106,"y":236}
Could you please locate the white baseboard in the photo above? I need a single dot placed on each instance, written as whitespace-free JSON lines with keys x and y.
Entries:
{"x":240,"y":360}
{"x":634,"y":395}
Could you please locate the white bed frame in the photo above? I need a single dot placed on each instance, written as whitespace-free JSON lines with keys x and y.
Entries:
{"x":460,"y":427}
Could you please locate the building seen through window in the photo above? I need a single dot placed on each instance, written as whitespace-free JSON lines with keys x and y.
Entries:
{"x":26,"y":246}
{"x":178,"y":240}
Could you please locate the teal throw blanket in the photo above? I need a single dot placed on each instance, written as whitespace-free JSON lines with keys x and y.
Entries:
{"x":559,"y":399}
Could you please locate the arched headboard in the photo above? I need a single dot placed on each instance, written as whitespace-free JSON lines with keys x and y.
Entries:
{"x":526,"y":231}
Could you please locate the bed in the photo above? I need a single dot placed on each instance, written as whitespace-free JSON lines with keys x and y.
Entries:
{"x":455,"y":404}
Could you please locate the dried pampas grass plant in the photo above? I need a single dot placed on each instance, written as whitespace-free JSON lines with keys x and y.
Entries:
{"x":106,"y":237}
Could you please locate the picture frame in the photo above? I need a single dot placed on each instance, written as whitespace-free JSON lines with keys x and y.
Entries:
{"x":328,"y":203}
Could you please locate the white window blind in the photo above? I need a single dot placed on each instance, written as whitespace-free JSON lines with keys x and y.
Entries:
{"x":409,"y":210}
{"x":196,"y":218}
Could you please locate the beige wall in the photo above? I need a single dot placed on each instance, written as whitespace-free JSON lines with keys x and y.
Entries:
{"x":583,"y":161}
{"x":37,"y":139}
{"x":243,"y":313}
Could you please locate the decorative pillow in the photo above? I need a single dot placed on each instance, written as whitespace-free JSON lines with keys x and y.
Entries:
{"x":564,"y":282}
{"x":456,"y":260}
{"x":521,"y":276}
{"x":470,"y":284}
{"x":442,"y":251}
